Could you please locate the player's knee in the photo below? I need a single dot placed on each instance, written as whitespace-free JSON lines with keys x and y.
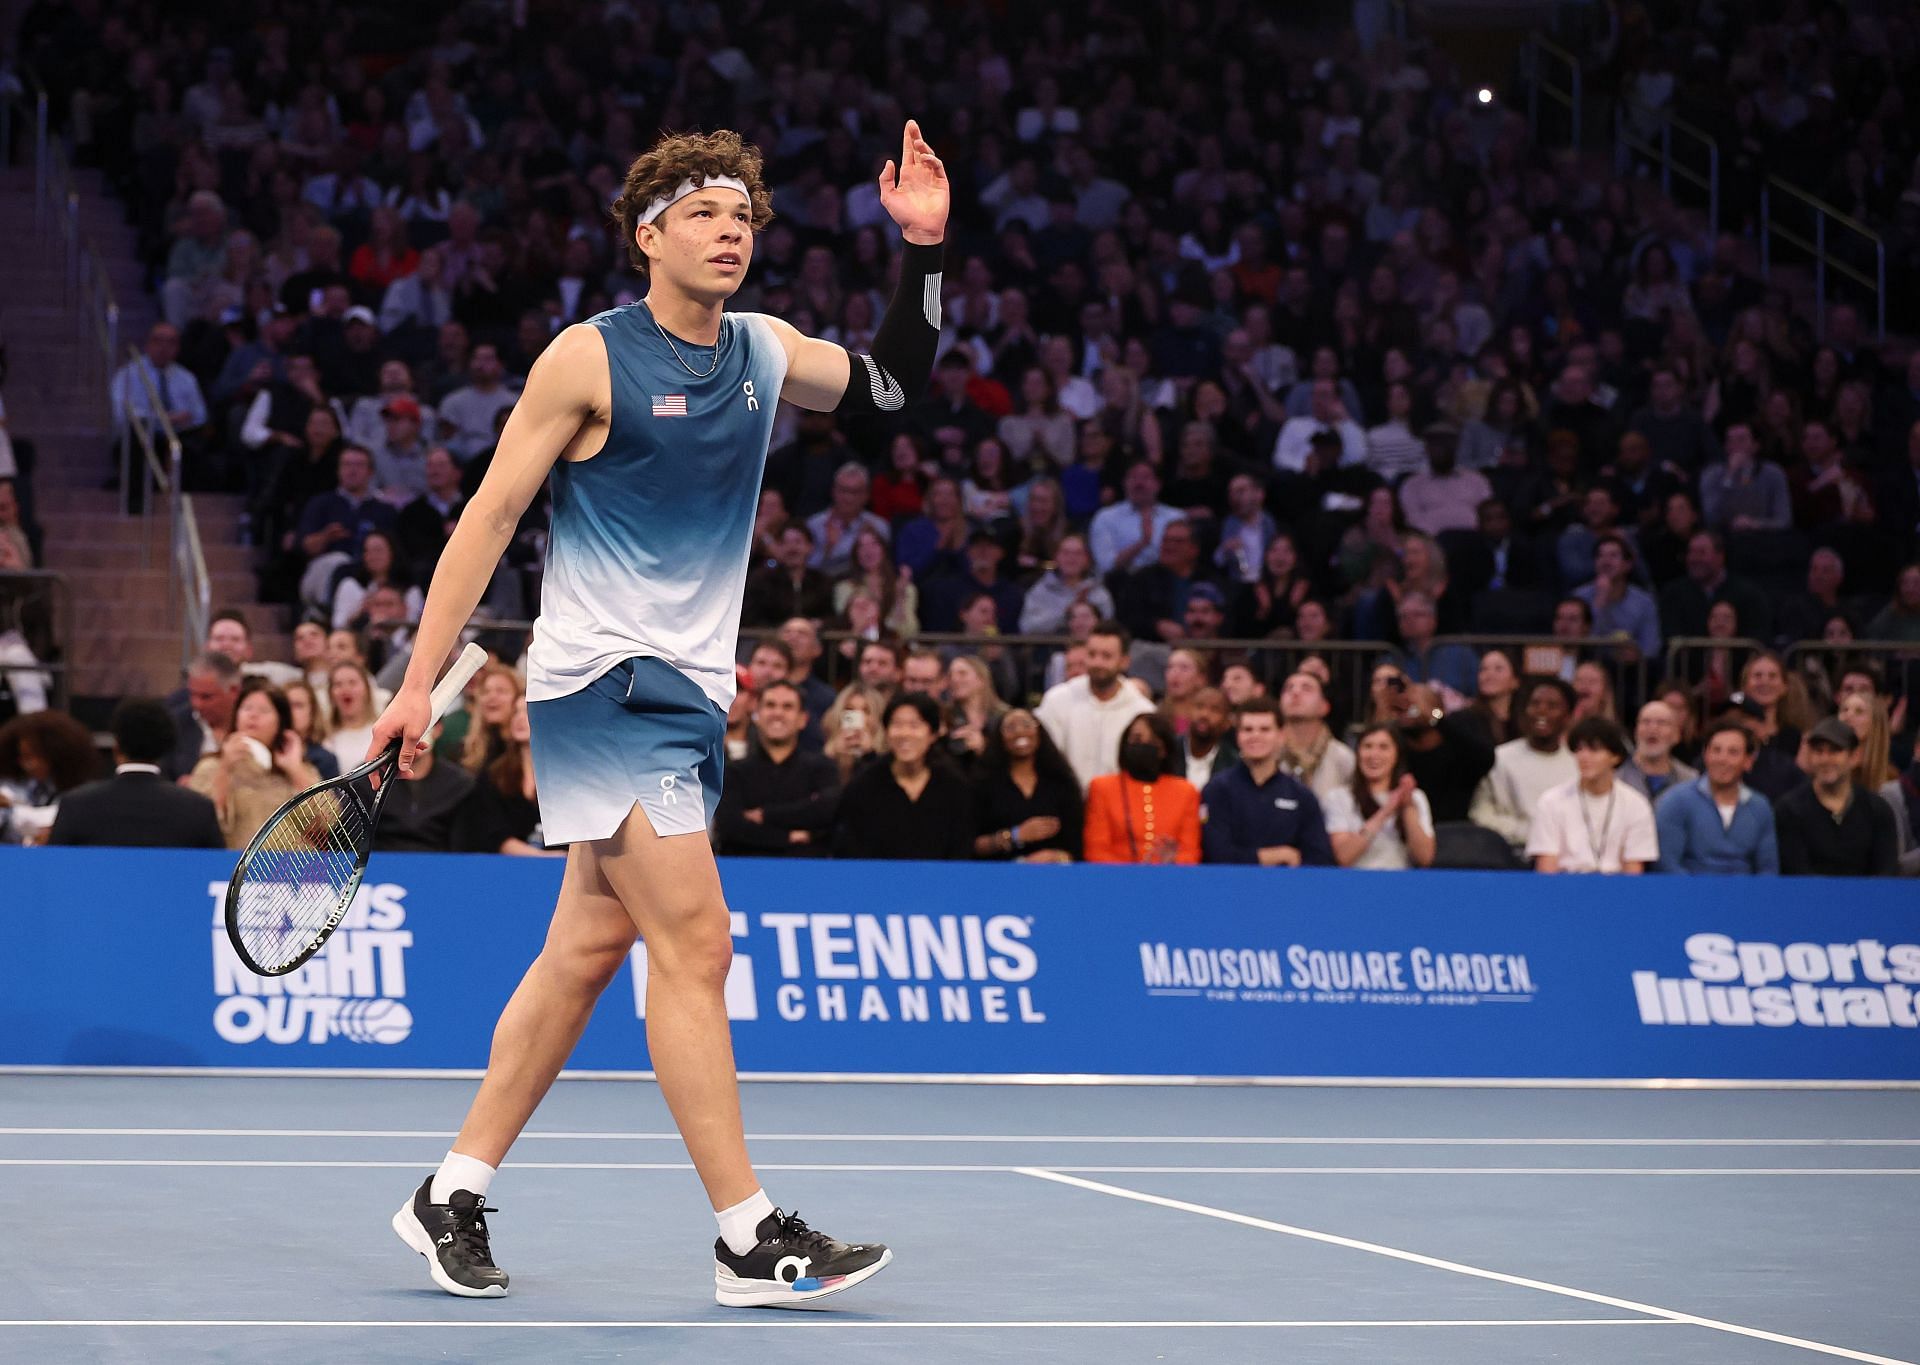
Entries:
{"x":697,"y":951}
{"x":587,"y":968}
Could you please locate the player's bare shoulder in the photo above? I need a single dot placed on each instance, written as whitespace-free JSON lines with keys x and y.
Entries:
{"x":572,"y":381}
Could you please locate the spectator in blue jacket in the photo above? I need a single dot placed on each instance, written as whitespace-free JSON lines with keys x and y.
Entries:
{"x":1253,"y":812}
{"x":1716,"y":823}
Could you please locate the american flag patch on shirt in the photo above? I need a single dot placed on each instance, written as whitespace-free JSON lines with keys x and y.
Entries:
{"x":669,"y":405}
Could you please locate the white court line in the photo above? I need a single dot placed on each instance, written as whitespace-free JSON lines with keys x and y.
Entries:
{"x":1458,"y":1268}
{"x":243,"y":1163}
{"x":824,"y":1321}
{"x":1089,"y":1139}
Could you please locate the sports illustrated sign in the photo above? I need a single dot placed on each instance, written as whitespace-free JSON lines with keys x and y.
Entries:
{"x":906,"y":969}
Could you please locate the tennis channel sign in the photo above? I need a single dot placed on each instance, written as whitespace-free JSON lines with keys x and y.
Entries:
{"x":867,"y":968}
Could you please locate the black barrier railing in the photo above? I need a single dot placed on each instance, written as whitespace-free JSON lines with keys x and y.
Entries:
{"x":36,"y":623}
{"x":1897,"y":663}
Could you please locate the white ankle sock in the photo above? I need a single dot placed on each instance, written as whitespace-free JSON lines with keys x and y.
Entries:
{"x":460,"y":1173}
{"x":739,"y":1225}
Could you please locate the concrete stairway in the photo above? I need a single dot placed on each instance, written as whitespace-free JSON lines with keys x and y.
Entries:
{"x":127,"y":620}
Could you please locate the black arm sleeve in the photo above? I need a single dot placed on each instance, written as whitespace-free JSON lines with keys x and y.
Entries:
{"x":903,"y":347}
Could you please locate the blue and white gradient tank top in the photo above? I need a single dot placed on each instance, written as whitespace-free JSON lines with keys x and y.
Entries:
{"x":651,"y":538}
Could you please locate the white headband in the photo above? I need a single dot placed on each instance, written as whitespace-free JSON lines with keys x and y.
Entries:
{"x":687,"y":187}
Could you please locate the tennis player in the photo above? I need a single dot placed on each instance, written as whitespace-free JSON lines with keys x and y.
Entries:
{"x":653,"y":421}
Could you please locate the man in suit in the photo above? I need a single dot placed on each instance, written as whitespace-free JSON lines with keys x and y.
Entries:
{"x":137,"y":807}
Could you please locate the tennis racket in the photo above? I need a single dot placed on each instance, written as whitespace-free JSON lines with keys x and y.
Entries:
{"x":296,"y":880}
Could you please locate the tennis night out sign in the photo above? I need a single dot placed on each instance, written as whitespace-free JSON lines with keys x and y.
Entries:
{"x":353,"y":989}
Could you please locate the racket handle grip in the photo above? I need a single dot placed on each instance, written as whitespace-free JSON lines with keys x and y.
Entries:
{"x":448,"y":689}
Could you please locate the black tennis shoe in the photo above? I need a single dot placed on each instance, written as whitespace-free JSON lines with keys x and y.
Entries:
{"x":791,"y":1265}
{"x":453,"y":1238}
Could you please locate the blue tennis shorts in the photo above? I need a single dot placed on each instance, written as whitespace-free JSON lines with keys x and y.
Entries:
{"x":640,"y":732}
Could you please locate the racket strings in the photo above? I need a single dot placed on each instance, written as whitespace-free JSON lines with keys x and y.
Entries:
{"x":302,"y":869}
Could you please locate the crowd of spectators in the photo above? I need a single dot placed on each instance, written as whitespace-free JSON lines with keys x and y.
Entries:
{"x":1249,"y":335}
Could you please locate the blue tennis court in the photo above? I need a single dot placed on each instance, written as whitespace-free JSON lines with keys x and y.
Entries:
{"x":161,"y":1219}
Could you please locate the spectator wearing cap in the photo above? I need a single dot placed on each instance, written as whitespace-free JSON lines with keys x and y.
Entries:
{"x":1450,"y":666}
{"x":467,"y":415}
{"x":780,"y":798}
{"x":1832,"y":826}
{"x":906,"y":806}
{"x":1443,"y":497}
{"x":1087,"y":715}
{"x":1126,"y":536}
{"x":1744,"y":492}
{"x":1326,"y":412}
{"x":1254,"y":812}
{"x":1595,"y":823}
{"x":350,"y":356}
{"x":1525,"y":769}
{"x":948,"y":595}
{"x":1716,"y":823}
{"x":1619,"y":606}
{"x":1653,"y":771}
{"x":1685,"y":602}
{"x":365,"y":418}
{"x":137,"y":807}
{"x":1206,"y":615}
{"x":400,"y":455}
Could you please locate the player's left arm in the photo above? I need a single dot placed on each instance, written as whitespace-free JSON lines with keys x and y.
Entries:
{"x":826,"y":377}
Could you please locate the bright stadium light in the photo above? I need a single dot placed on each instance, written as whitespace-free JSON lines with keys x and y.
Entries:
{"x":1486,"y":95}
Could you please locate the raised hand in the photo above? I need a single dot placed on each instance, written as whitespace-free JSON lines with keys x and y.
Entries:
{"x":915,"y":193}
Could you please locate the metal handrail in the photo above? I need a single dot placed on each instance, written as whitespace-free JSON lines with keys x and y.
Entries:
{"x":1537,"y":46}
{"x":1670,"y":123}
{"x":1817,"y":248}
{"x":187,"y":567}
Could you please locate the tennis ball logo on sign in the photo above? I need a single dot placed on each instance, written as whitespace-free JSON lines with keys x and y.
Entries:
{"x":352,"y":990}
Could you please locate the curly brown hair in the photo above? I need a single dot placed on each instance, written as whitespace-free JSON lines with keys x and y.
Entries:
{"x":65,"y":744}
{"x":688,"y":156}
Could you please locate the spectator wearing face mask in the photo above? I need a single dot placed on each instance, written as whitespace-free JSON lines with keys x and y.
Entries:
{"x":1146,"y":812}
{"x":1254,"y":812}
{"x":1596,"y":823}
{"x":1525,"y":769}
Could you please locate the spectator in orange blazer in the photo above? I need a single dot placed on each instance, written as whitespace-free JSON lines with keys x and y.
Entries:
{"x":1147,"y":812}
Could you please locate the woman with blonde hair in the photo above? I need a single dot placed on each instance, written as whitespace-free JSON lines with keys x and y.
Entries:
{"x":975,"y":706}
{"x":355,"y":708}
{"x":1043,"y":524}
{"x":852,"y":726}
{"x":496,"y":689}
{"x":1187,"y":673}
{"x":1866,"y":716}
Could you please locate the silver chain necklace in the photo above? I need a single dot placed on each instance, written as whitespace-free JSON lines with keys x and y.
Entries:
{"x":697,"y":374}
